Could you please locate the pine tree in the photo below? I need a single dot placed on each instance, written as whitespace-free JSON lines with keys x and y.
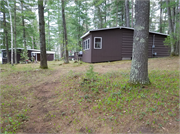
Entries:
{"x":139,"y":66}
{"x":43,"y":56}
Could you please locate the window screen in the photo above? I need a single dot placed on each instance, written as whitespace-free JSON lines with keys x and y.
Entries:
{"x":98,"y":43}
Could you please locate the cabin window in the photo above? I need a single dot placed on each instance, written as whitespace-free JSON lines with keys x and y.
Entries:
{"x":86,"y":45}
{"x":97,"y":42}
{"x":4,"y":54}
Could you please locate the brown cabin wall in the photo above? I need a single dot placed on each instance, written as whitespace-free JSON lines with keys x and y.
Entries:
{"x":111,"y":46}
{"x":160,"y":48}
{"x":127,"y":44}
{"x":50,"y":57}
{"x":87,"y":54}
{"x":19,"y":51}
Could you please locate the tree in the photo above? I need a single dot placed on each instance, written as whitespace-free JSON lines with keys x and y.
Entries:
{"x":11,"y":33}
{"x":5,"y":32}
{"x":65,"y":32}
{"x":127,"y":13}
{"x":173,"y":26}
{"x":15,"y":51}
{"x":132,"y":13}
{"x":139,"y":66}
{"x":43,"y":56}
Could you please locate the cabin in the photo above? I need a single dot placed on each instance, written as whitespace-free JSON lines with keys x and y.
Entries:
{"x":31,"y":53}
{"x":116,"y":43}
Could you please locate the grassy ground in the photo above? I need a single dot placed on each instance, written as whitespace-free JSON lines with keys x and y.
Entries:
{"x":89,"y":98}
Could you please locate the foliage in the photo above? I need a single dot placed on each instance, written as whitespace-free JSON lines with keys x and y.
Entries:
{"x":24,"y":55}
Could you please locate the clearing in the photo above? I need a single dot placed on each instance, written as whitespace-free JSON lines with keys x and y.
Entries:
{"x":89,"y":98}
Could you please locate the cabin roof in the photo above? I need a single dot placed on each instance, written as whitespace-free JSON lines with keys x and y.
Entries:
{"x":87,"y":33}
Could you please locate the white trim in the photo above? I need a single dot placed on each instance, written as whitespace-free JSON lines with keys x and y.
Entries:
{"x":85,"y":34}
{"x":100,"y":42}
{"x":47,"y":52}
{"x":85,"y":44}
{"x":117,"y":28}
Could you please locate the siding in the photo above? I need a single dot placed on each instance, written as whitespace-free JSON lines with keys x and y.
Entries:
{"x":111,"y":46}
{"x":127,"y":43}
{"x":87,"y":53}
{"x":160,"y":49}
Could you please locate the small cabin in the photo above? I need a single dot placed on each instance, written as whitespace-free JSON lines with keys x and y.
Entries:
{"x":31,"y":53}
{"x":116,"y":43}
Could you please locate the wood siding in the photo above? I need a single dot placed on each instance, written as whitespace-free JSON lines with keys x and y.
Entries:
{"x":111,"y":46}
{"x":118,"y":44}
{"x":160,"y":48}
{"x":87,"y":53}
{"x":127,"y":44}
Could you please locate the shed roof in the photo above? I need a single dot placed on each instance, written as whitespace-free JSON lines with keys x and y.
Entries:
{"x":87,"y":33}
{"x":47,"y":52}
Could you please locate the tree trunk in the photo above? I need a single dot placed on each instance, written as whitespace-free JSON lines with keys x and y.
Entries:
{"x":161,"y":17}
{"x":48,"y":32}
{"x":171,"y":30}
{"x":127,"y":13}
{"x":139,"y":66}
{"x":24,"y":34}
{"x":6,"y":37}
{"x":11,"y":33}
{"x":132,"y":15}
{"x":65,"y":32}
{"x":116,"y":15}
{"x":15,"y":49}
{"x":122,"y":15}
{"x":43,"y":56}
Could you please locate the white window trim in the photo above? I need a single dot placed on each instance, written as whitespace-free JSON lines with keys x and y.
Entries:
{"x":100,"y":43}
{"x":89,"y":44}
{"x":86,"y":44}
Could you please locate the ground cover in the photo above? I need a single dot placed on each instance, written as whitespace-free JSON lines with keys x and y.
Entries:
{"x":89,"y":98}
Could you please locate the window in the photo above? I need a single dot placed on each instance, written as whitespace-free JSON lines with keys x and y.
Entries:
{"x":97,"y":42}
{"x":4,"y":54}
{"x":86,"y":44}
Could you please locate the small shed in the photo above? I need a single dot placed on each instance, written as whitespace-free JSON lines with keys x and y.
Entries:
{"x":31,"y":53}
{"x":116,"y":43}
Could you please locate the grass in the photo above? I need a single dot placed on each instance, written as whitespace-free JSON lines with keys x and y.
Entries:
{"x":83,"y":98}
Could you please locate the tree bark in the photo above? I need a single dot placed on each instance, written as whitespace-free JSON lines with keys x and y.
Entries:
{"x":6,"y":37}
{"x":15,"y":49}
{"x":161,"y":17}
{"x":48,"y":32}
{"x":43,"y":56}
{"x":11,"y":33}
{"x":171,"y":30}
{"x":65,"y":32}
{"x":139,"y":66}
{"x":132,"y":14}
{"x":24,"y":34}
{"x":127,"y":13}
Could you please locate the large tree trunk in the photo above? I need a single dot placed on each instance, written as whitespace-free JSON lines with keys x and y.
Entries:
{"x":24,"y":34}
{"x":65,"y":32}
{"x":127,"y":13}
{"x":11,"y":33}
{"x":6,"y":37}
{"x":15,"y":51}
{"x":43,"y":56}
{"x":139,"y":66}
{"x":171,"y":29}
